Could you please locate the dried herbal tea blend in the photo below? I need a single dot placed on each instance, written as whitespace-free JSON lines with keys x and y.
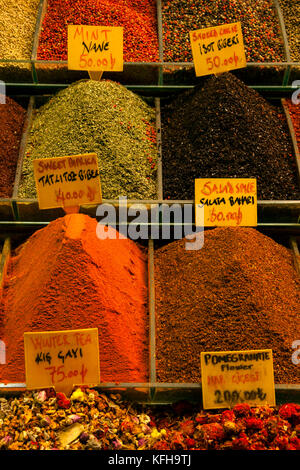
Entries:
{"x":240,"y":291}
{"x":103,"y":118}
{"x":227,"y":130}
{"x":91,"y":420}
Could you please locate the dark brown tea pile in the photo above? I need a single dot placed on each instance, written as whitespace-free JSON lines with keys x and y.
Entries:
{"x":240,"y":291}
{"x":226,"y":130}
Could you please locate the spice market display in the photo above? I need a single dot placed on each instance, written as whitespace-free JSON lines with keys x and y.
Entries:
{"x":149,"y":292}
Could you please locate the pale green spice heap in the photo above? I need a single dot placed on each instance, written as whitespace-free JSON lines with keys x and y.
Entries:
{"x":103,"y":118}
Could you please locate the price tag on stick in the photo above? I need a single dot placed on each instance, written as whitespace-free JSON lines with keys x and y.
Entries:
{"x":95,"y":49}
{"x":232,"y":377}
{"x":218,"y":49}
{"x":62,"y":359}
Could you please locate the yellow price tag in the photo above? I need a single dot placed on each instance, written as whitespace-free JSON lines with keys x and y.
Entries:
{"x":226,"y":202}
{"x":67,"y":181}
{"x":62,"y":359}
{"x":232,"y":377}
{"x":95,"y":48}
{"x":218,"y":49}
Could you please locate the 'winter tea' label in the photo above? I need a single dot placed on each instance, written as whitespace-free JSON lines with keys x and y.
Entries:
{"x":234,"y":377}
{"x":226,"y":202}
{"x":62,"y":359}
{"x":95,"y":48}
{"x":67,"y":181}
{"x":218,"y":49}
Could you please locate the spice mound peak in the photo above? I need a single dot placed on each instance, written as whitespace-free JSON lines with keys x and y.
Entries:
{"x":240,"y":291}
{"x":103,"y":118}
{"x":225,"y":129}
{"x":63,"y":277}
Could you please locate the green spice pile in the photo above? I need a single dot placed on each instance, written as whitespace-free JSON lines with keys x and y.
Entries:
{"x":103,"y":118}
{"x":260,"y":26}
{"x":91,"y":420}
{"x":227,"y":130}
{"x":17,"y":26}
{"x":240,"y":291}
{"x":291,"y":14}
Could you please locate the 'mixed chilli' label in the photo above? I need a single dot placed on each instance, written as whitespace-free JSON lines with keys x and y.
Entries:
{"x":67,"y":181}
{"x":61,"y":359}
{"x":226,"y":202}
{"x":218,"y":49}
{"x":233,"y":377}
{"x":95,"y":48}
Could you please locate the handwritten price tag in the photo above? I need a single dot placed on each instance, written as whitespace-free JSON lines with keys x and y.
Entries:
{"x":232,"y":377}
{"x":95,"y":48}
{"x":67,"y":181}
{"x":218,"y":49}
{"x":226,"y":202}
{"x":61,"y":359}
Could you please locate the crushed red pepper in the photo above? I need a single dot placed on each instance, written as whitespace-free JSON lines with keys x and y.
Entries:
{"x":138,"y":17}
{"x":240,"y":291}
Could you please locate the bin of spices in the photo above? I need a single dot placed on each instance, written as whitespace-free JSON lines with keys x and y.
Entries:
{"x":67,"y":276}
{"x":96,"y":117}
{"x":227,"y":130}
{"x":262,"y":28}
{"x":240,"y":291}
{"x":18,"y":22}
{"x":137,"y":17}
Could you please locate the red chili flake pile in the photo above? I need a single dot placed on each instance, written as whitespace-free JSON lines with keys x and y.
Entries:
{"x":12,"y":117}
{"x":260,"y":26}
{"x":90,"y":420}
{"x":138,"y":17}
{"x":294,"y":110}
{"x":239,"y":291}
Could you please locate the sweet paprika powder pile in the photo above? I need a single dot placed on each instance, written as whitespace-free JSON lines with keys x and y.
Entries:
{"x":65,"y":277}
{"x":240,"y":291}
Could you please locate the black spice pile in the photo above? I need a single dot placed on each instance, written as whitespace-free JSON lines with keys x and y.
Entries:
{"x":226,"y":130}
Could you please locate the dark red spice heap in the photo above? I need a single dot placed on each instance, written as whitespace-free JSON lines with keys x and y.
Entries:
{"x":138,"y":17}
{"x":227,"y":130}
{"x":240,"y":291}
{"x":12,"y":117}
